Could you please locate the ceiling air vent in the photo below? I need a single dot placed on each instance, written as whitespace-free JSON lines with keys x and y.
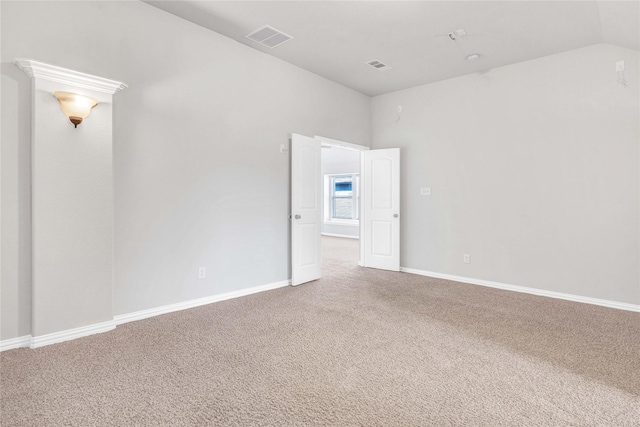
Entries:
{"x":378,"y":65}
{"x":269,"y":37}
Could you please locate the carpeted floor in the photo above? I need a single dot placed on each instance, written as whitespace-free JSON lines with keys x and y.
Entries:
{"x":359,"y":347}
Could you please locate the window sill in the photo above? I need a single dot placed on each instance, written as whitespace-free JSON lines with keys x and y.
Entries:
{"x":352,"y":223}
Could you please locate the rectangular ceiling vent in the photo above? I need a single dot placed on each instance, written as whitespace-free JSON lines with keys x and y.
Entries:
{"x":269,"y":37}
{"x":378,"y":65}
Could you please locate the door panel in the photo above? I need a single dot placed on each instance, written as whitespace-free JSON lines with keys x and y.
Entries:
{"x":381,"y":184}
{"x":381,"y":234}
{"x":308,"y":253}
{"x":306,"y":193}
{"x":307,"y":190}
{"x":381,"y":208}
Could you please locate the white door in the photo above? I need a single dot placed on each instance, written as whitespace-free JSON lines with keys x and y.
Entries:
{"x":306,"y":197}
{"x":381,"y":208}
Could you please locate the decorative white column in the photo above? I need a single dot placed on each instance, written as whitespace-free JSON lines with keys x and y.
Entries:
{"x":72,"y":207}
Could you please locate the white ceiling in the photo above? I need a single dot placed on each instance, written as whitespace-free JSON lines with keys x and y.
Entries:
{"x":335,"y":38}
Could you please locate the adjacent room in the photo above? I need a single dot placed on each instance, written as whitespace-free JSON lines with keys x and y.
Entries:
{"x":287,"y":213}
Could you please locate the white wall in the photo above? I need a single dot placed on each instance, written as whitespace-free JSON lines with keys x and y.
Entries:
{"x":534,"y":172}
{"x":199,"y":179}
{"x":336,"y":160}
{"x":15,"y":225}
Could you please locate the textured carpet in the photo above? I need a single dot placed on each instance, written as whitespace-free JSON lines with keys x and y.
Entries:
{"x":359,"y":347}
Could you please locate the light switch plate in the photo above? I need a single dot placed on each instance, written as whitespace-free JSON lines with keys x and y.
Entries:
{"x":425,"y":191}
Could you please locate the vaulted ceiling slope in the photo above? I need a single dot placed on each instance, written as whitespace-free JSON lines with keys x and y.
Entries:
{"x":335,"y":39}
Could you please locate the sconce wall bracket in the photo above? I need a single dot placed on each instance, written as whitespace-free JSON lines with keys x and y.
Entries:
{"x":41,"y":70}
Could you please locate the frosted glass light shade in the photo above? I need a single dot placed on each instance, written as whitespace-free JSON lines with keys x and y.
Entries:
{"x":76,"y":107}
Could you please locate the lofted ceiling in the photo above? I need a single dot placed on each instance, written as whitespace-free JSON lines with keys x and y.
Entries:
{"x":335,"y":39}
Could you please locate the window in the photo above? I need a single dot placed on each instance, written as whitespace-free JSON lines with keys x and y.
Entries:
{"x":344,"y":197}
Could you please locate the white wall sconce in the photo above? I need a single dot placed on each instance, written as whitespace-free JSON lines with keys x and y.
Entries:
{"x":76,"y":107}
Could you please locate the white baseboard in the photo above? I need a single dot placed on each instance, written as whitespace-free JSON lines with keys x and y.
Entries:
{"x":70,"y":334}
{"x":143,"y":314}
{"x":56,"y":337}
{"x":18,"y":342}
{"x":523,"y":289}
{"x":346,"y":236}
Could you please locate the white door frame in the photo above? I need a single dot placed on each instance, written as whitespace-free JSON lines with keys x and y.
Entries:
{"x":328,"y":142}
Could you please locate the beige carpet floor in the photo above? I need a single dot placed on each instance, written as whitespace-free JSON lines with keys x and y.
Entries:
{"x":359,"y":347}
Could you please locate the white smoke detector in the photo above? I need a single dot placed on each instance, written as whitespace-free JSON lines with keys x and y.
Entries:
{"x":454,"y":35}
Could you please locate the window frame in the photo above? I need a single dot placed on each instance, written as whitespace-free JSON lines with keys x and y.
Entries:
{"x":329,"y":197}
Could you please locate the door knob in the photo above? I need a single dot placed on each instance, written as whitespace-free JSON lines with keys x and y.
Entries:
{"x":395,"y":215}
{"x":298,"y":217}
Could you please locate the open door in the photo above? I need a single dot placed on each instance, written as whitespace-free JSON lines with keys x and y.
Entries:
{"x":306,"y":215}
{"x":381,"y":208}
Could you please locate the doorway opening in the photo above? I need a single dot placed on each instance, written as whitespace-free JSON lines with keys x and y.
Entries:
{"x":341,"y":202}
{"x":363,"y":202}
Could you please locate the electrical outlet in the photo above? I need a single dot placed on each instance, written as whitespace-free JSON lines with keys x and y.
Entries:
{"x":425,"y":191}
{"x":202,"y":272}
{"x":466,"y":259}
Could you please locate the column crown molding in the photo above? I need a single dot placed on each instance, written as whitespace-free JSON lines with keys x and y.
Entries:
{"x":41,"y":70}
